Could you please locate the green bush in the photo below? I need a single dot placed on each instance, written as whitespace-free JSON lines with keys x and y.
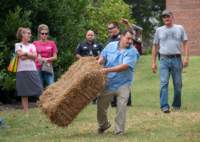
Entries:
{"x":13,"y":20}
{"x":106,"y":11}
{"x":68,"y":22}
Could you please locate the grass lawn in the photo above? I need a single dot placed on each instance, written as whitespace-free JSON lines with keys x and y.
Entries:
{"x":145,"y":121}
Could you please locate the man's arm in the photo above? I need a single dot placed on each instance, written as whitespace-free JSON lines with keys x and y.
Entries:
{"x":100,"y":60}
{"x":117,"y":68}
{"x":186,"y":54}
{"x":154,"y":56}
{"x":78,"y":56}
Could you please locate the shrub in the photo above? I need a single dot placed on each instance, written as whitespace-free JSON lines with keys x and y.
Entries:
{"x":68,"y":22}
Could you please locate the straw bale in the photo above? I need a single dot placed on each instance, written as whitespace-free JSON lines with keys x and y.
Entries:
{"x":76,"y":88}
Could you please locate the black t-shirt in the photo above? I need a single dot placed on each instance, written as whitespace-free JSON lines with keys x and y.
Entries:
{"x":86,"y":49}
{"x":114,"y":38}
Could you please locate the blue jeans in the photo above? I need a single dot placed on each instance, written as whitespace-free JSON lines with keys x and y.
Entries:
{"x":46,"y":78}
{"x":170,"y":66}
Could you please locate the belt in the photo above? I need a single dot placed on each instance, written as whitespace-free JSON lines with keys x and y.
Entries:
{"x":171,"y":56}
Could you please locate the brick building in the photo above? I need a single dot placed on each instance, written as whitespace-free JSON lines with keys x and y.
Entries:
{"x":187,"y":13}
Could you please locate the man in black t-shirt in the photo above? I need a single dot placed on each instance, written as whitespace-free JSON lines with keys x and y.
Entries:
{"x":89,"y":47}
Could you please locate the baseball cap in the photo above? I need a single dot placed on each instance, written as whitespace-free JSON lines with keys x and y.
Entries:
{"x":166,"y":12}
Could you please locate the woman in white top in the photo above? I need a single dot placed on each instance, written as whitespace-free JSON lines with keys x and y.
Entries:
{"x":28,"y":82}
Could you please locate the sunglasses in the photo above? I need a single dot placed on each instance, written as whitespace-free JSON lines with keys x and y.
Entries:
{"x":44,"y":33}
{"x":110,"y":28}
{"x":165,"y":16}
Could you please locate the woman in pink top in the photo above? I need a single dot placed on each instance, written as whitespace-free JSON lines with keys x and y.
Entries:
{"x":47,"y":52}
{"x":27,"y":78}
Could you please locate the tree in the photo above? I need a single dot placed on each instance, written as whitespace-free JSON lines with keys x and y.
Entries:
{"x":63,"y":17}
{"x":68,"y":22}
{"x":101,"y":14}
{"x":147,"y":14}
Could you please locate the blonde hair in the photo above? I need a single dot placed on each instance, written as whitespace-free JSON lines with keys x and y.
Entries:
{"x":42,"y":27}
{"x":20,"y":32}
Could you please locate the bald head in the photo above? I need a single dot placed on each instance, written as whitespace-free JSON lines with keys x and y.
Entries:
{"x":90,"y":36}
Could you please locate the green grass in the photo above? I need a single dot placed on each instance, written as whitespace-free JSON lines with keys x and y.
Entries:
{"x":145,"y":121}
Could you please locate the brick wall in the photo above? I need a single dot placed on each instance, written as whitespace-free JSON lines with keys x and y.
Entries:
{"x":187,"y":13}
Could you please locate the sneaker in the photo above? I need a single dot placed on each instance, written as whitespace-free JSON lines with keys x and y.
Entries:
{"x":129,"y":105}
{"x":94,"y":101}
{"x":119,"y":133}
{"x":176,"y":109}
{"x":113,"y":104}
{"x":103,"y":129}
{"x":3,"y":124}
{"x":167,"y":110}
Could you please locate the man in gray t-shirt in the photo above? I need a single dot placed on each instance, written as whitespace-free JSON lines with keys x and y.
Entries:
{"x":168,"y":41}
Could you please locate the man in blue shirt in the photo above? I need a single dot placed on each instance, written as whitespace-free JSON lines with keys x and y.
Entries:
{"x":119,"y":59}
{"x":114,"y":35}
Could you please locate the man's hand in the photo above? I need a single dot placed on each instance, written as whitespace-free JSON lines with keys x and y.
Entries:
{"x":154,"y":53}
{"x":124,"y":21}
{"x":186,"y":54}
{"x":78,"y":56}
{"x":97,"y":58}
{"x":105,"y":70}
{"x":185,"y":62}
{"x":100,"y":60}
{"x":154,"y":68}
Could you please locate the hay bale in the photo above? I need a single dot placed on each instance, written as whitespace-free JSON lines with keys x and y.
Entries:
{"x":76,"y":88}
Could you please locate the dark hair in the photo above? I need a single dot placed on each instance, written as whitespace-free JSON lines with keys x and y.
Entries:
{"x":127,"y":31}
{"x":114,"y":23}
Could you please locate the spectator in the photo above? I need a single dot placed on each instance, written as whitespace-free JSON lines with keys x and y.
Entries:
{"x":119,"y":59}
{"x":138,"y":38}
{"x":89,"y":47}
{"x":27,"y":78}
{"x":114,"y":35}
{"x":114,"y":32}
{"x":168,"y":41}
{"x":47,"y":52}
